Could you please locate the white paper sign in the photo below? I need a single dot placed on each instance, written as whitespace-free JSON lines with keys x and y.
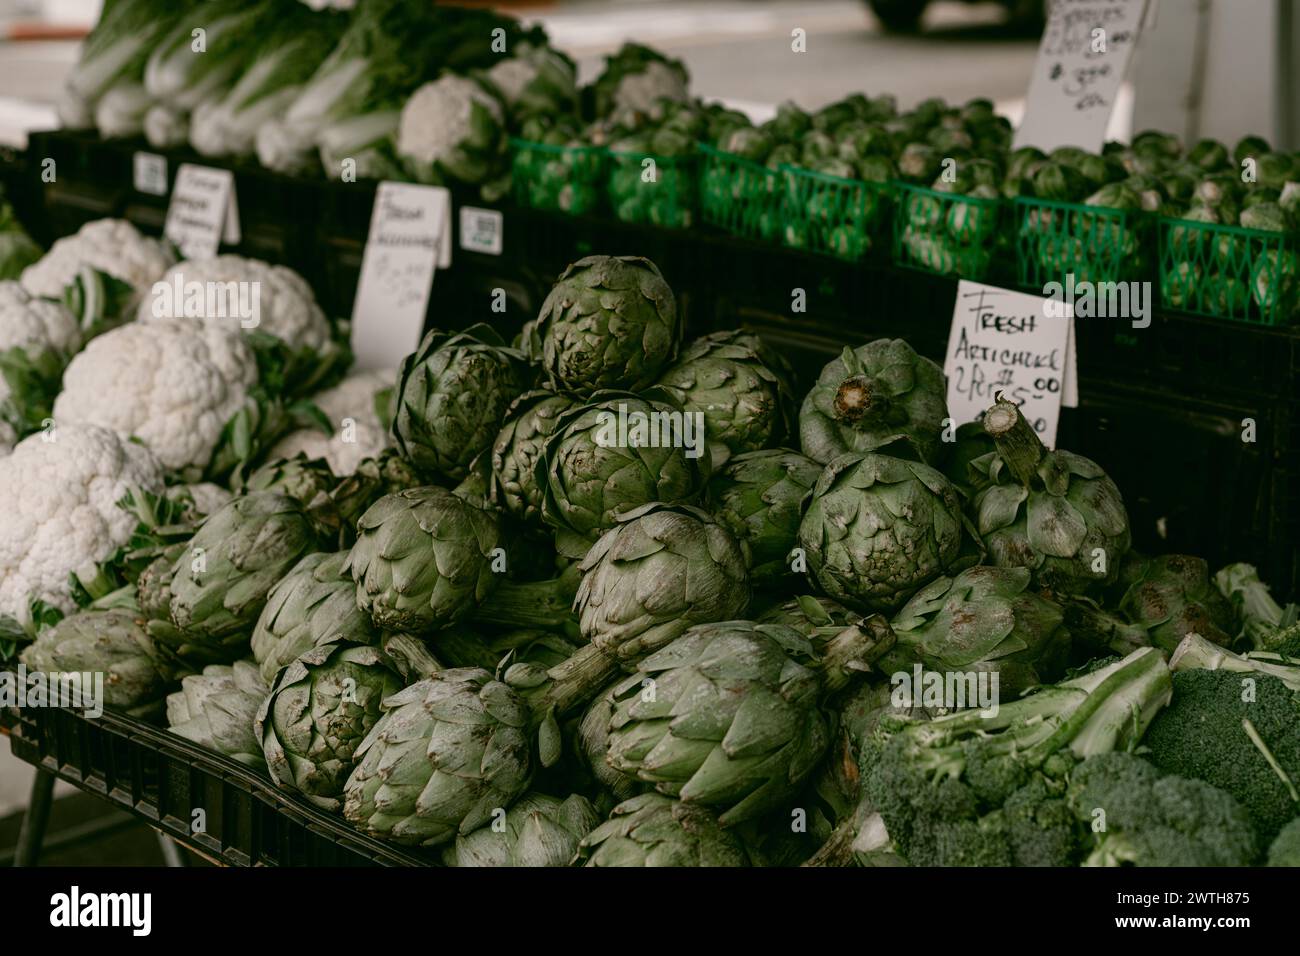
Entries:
{"x":203,"y":212}
{"x":149,"y":173}
{"x":481,"y":230}
{"x":1005,"y":341}
{"x":1082,"y":59}
{"x":410,"y":236}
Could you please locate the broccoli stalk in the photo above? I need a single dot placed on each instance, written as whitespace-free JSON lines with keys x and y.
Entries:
{"x":1196,"y":653}
{"x":1264,"y":622}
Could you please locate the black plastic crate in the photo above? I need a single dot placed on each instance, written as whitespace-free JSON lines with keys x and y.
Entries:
{"x":163,"y":779}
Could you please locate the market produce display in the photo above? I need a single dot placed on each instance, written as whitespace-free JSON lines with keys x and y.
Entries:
{"x":616,"y":593}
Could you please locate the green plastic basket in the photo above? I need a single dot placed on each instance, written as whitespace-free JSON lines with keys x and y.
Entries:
{"x":566,"y":179}
{"x":947,"y":233}
{"x":659,"y":190}
{"x":845,"y":218}
{"x":739,"y":196}
{"x":1094,"y":243}
{"x":1229,"y":272}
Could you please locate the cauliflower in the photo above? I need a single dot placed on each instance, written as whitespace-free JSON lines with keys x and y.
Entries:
{"x":536,"y":81}
{"x":61,"y":490}
{"x":204,"y":496}
{"x":173,"y":383}
{"x":37,"y":337}
{"x":8,"y":438}
{"x":350,"y":405}
{"x":453,"y":128}
{"x":282,"y":301}
{"x":113,"y":246}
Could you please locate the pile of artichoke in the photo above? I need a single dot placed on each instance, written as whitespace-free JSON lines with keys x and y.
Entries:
{"x":612,"y":596}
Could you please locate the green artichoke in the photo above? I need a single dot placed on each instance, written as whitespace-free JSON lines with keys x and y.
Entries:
{"x":113,"y":643}
{"x":315,"y":603}
{"x":1053,"y":512}
{"x":984,"y":619}
{"x":591,"y":742}
{"x":220,"y":581}
{"x":423,"y":559}
{"x":519,"y":446}
{"x":740,"y":387}
{"x":868,"y":397}
{"x":654,"y":830}
{"x":609,"y":322}
{"x":452,"y":393}
{"x":448,"y":752}
{"x":661,"y":570}
{"x":970,"y":441}
{"x":759,"y":497}
{"x":216,"y":709}
{"x":730,"y":715}
{"x":1175,"y":597}
{"x":318,"y":711}
{"x":877,"y":529}
{"x":298,"y":477}
{"x":615,"y":454}
{"x":539,"y":830}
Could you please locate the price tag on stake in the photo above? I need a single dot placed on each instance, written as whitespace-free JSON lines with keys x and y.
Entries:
{"x":203,"y":212}
{"x":1082,"y":58}
{"x":1010,"y":342}
{"x":481,"y":230}
{"x":410,"y":237}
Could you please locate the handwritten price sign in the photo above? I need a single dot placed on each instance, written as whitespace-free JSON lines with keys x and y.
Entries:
{"x":1004,"y":341}
{"x":1082,"y":59}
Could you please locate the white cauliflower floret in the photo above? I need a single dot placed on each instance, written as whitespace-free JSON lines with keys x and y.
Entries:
{"x":282,"y":301}
{"x":437,"y":119}
{"x":61,"y":490}
{"x":205,"y":496}
{"x":359,"y":434}
{"x":113,"y":246}
{"x":172,"y":383}
{"x":36,"y":326}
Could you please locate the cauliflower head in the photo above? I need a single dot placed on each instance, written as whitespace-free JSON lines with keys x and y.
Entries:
{"x":172,"y":383}
{"x":61,"y":489}
{"x":284,"y":303}
{"x":113,"y":246}
{"x":359,"y":434}
{"x":443,"y":117}
{"x":36,"y":327}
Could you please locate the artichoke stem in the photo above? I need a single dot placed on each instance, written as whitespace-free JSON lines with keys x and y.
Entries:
{"x":546,"y":605}
{"x":1099,"y":630}
{"x":854,"y":651}
{"x":577,"y":680}
{"x":411,"y":658}
{"x":860,"y":400}
{"x":838,"y":848}
{"x":1018,"y":444}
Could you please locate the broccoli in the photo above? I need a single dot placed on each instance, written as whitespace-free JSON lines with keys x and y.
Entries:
{"x":1239,"y":732}
{"x":1285,"y":850}
{"x":969,"y":790}
{"x":1140,"y":817}
{"x":1196,"y":653}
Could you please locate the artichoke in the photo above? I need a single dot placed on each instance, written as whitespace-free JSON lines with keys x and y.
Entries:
{"x":759,"y":496}
{"x":423,"y":559}
{"x":654,"y":830}
{"x":1053,"y":512}
{"x":609,"y":322}
{"x":298,"y":477}
{"x":984,"y":619}
{"x":537,"y":831}
{"x":869,"y":396}
{"x":113,"y":643}
{"x":216,"y":709}
{"x":1174,"y":597}
{"x":319,"y":710}
{"x":615,"y":454}
{"x":220,"y":581}
{"x":313,"y":604}
{"x":519,"y":446}
{"x":730,"y":715}
{"x":447,"y":753}
{"x":452,"y":393}
{"x":591,"y":742}
{"x":740,"y":387}
{"x":877,"y":529}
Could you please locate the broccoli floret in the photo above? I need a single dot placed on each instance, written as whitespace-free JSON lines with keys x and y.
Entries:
{"x":1239,"y":732}
{"x":1140,"y":817}
{"x":1285,"y":850}
{"x":969,"y":790}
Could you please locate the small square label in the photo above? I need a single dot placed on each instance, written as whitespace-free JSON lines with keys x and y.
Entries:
{"x":481,"y":230}
{"x":151,"y":174}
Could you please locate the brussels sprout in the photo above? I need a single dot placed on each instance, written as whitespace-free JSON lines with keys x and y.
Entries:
{"x":1273,"y":280}
{"x":1260,"y":194}
{"x":817,"y":145}
{"x":1266,"y":217}
{"x":830,"y":117}
{"x":950,"y":142}
{"x":1218,"y":189}
{"x":877,"y":169}
{"x":1186,"y":242}
{"x":748,"y":143}
{"x":790,"y":122}
{"x":1180,"y":285}
{"x":785,"y":154}
{"x":970,"y":222}
{"x":919,"y":162}
{"x":1153,"y":143}
{"x":1249,"y":146}
{"x":1209,"y":154}
{"x":1055,"y":180}
{"x":1274,"y":169}
{"x":864,"y":140}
